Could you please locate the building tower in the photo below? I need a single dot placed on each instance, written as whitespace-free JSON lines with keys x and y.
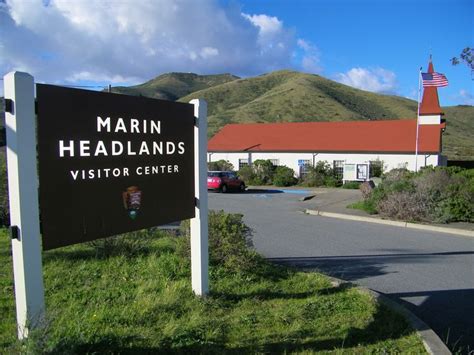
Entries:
{"x":430,"y":111}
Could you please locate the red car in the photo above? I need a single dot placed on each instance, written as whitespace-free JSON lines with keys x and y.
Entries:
{"x":224,"y":181}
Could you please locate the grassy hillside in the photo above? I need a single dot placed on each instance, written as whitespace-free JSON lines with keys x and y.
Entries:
{"x":287,"y":96}
{"x":458,"y":139}
{"x":175,"y":85}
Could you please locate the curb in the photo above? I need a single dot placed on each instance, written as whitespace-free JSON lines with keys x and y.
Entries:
{"x":431,"y":341}
{"x":462,"y":232}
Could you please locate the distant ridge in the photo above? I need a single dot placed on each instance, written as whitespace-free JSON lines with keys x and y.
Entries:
{"x":172,"y":86}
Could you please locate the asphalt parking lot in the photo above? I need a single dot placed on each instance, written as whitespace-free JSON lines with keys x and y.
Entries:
{"x":430,"y":273}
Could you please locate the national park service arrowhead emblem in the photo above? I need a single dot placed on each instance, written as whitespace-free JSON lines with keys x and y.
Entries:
{"x":132,"y":199}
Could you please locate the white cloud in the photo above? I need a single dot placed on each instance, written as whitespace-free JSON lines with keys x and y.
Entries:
{"x":268,"y":25}
{"x":465,"y":97}
{"x":63,"y":40}
{"x":376,"y":80}
{"x":274,"y":40}
{"x":208,"y":52}
{"x":310,"y":61}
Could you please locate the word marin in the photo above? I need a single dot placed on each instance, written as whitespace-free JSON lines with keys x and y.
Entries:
{"x":86,"y":148}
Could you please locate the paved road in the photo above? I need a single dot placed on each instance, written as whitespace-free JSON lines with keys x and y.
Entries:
{"x":430,"y":273}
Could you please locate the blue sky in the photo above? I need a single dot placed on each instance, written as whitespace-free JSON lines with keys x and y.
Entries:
{"x":375,"y":45}
{"x":395,"y":35}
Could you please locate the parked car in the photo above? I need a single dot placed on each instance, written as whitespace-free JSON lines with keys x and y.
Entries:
{"x":224,"y":181}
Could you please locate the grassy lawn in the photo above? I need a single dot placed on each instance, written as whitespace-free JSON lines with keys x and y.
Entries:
{"x":363,"y":206}
{"x":132,"y":294}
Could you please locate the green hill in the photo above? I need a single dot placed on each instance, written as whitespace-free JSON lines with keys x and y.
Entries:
{"x":458,"y":138}
{"x":288,"y":96}
{"x":172,"y":86}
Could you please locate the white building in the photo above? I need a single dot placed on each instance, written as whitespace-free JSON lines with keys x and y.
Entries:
{"x":295,"y":145}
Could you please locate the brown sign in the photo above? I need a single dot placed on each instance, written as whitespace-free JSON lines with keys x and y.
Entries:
{"x":110,"y":164}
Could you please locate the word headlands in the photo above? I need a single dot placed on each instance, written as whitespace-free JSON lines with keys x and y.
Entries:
{"x":85,"y":148}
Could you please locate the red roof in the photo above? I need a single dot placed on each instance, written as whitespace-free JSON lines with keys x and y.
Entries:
{"x":430,"y":102}
{"x":388,"y":136}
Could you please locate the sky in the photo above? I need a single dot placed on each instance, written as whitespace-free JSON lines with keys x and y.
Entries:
{"x":374,"y":45}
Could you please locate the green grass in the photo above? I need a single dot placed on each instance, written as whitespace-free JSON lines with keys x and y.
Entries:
{"x":133,"y":295}
{"x":363,"y":206}
{"x":351,"y":185}
{"x":457,"y":139}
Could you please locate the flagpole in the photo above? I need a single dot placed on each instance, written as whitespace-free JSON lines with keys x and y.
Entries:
{"x":418,"y":120}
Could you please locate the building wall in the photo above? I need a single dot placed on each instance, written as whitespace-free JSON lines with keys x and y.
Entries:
{"x":390,"y":161}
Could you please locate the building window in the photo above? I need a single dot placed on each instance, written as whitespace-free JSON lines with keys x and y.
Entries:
{"x":376,"y":168}
{"x":275,"y":162}
{"x":243,"y":162}
{"x":338,"y":168}
{"x":304,"y":166}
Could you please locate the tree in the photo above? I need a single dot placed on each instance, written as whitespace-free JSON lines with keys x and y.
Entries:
{"x":221,"y":165}
{"x":263,"y":170}
{"x":466,"y":56}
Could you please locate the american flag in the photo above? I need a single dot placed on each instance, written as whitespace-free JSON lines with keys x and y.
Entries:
{"x":434,"y":79}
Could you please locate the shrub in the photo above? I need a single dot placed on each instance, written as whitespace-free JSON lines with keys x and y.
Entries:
{"x":229,"y":242}
{"x":284,"y":176}
{"x":456,"y":202}
{"x":246,"y":173}
{"x":220,"y":165}
{"x":320,"y":175}
{"x":312,"y":179}
{"x":332,"y":181}
{"x":434,"y":194}
{"x":376,"y":168}
{"x":263,"y":170}
{"x":403,"y":205}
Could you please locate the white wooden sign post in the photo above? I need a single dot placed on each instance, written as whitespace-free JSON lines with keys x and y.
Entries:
{"x":199,"y":224}
{"x":23,"y":190}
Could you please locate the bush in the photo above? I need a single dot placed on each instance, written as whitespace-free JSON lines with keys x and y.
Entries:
{"x":404,"y":205}
{"x":246,"y":174}
{"x":438,"y":194}
{"x":320,"y":175}
{"x":229,"y":242}
{"x":220,"y":165}
{"x":376,"y":168}
{"x":263,"y":170}
{"x":284,"y":176}
{"x":332,"y":181}
{"x":259,"y":173}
